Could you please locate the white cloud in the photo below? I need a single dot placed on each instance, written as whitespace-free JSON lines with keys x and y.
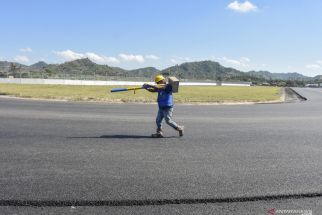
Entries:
{"x":152,"y":57}
{"x":21,"y":59}
{"x":313,"y":66}
{"x":69,"y":55}
{"x":241,"y":62}
{"x":173,"y":60}
{"x":184,"y":59}
{"x":131,"y":57}
{"x":178,"y":59}
{"x":101,"y":59}
{"x":244,"y":59}
{"x":313,"y":69}
{"x":27,"y":49}
{"x":245,"y":7}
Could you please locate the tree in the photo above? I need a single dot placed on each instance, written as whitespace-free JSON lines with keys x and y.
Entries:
{"x":12,"y":68}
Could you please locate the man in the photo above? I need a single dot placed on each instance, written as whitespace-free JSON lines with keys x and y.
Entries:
{"x":165,"y":103}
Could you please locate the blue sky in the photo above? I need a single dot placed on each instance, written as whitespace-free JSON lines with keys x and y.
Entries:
{"x":275,"y":35}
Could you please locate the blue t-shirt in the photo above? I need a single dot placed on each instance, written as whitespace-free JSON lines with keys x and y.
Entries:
{"x":165,"y":98}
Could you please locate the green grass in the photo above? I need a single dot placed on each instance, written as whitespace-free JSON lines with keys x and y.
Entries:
{"x":187,"y":94}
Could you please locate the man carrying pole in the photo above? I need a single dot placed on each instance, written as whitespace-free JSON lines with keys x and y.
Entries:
{"x":165,"y":103}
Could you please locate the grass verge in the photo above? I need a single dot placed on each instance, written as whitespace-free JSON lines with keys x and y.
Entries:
{"x":187,"y":94}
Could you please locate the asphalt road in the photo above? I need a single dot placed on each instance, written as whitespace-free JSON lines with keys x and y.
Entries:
{"x":239,"y":159}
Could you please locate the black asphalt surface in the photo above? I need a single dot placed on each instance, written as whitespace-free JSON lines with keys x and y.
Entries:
{"x":237,"y":159}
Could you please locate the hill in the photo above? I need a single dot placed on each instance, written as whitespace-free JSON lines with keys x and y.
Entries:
{"x":206,"y":70}
{"x":201,"y":70}
{"x":143,"y":72}
{"x":39,"y":65}
{"x":83,"y":67}
{"x":277,"y":76}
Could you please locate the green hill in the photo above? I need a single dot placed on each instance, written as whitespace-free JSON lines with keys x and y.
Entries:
{"x":205,"y":70}
{"x":277,"y":76}
{"x":39,"y":65}
{"x":202,"y":70}
{"x":83,"y":67}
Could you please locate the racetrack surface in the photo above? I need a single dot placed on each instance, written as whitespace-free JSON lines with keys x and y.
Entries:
{"x":239,"y":159}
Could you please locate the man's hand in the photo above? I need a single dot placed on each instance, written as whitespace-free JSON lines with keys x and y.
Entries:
{"x":146,"y":86}
{"x":149,"y":88}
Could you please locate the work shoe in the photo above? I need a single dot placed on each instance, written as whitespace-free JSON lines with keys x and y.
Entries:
{"x":158,"y":134}
{"x":180,"y":129}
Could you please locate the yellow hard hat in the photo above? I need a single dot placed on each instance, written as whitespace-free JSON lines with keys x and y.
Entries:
{"x":158,"y":78}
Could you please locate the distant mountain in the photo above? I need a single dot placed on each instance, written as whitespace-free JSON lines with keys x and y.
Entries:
{"x":147,"y":72}
{"x":6,"y":65}
{"x":84,"y":67}
{"x":38,"y":65}
{"x":201,"y":70}
{"x":278,"y":76}
{"x":318,"y":77}
{"x":87,"y":67}
{"x":207,"y":70}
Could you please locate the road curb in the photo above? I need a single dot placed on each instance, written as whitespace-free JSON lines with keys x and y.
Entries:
{"x":297,"y":94}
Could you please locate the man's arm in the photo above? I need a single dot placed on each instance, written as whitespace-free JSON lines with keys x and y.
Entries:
{"x":154,"y":88}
